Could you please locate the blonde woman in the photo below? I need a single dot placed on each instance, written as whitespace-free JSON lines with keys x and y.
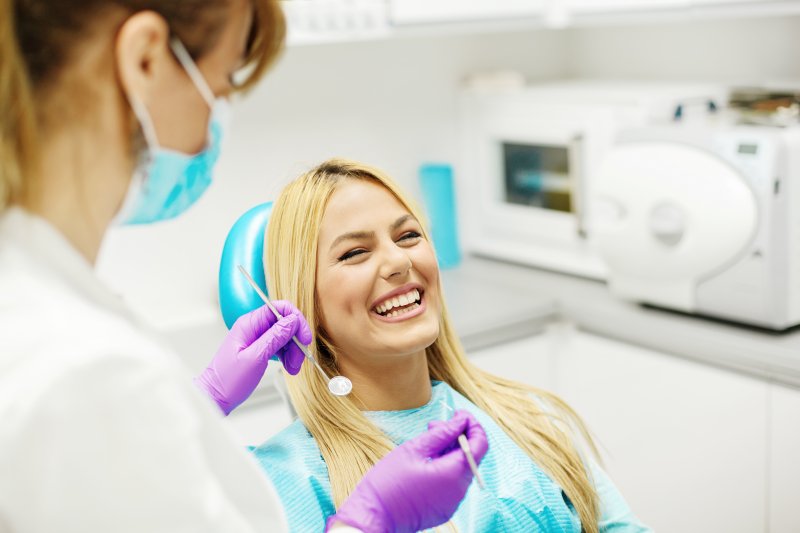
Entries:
{"x":351,"y":251}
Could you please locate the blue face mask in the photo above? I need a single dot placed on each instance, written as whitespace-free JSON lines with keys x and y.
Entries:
{"x":167,"y":182}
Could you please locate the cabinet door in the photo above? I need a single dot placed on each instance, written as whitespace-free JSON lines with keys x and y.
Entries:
{"x":784,"y":463}
{"x":617,"y":6}
{"x":429,"y":11}
{"x":728,"y":2}
{"x":529,"y":360}
{"x":684,"y":442}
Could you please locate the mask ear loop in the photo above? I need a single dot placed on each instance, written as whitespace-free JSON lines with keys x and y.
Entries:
{"x":191,"y":69}
{"x":195,"y":75}
{"x":148,"y":129}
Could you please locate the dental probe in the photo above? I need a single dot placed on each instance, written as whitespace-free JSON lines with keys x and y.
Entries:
{"x":338,"y":385}
{"x":462,"y":441}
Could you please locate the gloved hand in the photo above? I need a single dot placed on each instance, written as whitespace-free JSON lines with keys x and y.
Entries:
{"x":240,"y":362}
{"x":419,"y":484}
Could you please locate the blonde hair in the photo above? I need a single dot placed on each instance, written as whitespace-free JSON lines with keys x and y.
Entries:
{"x":350,"y":443}
{"x":17,"y":122}
{"x":37,"y":40}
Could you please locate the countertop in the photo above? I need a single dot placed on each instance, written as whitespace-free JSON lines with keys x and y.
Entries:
{"x":509,"y":296}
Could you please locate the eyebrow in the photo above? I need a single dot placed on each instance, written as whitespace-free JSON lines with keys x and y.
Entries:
{"x":354,"y":235}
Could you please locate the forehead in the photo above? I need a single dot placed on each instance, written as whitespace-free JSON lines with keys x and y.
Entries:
{"x":359,"y":204}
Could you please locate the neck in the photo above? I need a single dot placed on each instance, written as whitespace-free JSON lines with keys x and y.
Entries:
{"x":392,"y":385}
{"x":78,"y":186}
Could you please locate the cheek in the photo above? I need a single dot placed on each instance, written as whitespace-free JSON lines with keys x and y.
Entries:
{"x":180,"y":116}
{"x":342,"y":293}
{"x":426,"y":264}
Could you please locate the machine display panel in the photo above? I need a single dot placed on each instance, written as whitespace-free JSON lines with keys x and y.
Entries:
{"x":537,"y":176}
{"x":748,"y":149}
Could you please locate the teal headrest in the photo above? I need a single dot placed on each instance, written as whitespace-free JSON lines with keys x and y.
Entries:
{"x":243,"y":246}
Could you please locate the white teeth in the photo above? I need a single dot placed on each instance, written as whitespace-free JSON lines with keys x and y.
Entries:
{"x":408,"y":298}
{"x":402,"y":311}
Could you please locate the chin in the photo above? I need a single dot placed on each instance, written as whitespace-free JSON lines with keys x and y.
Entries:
{"x":416,"y":341}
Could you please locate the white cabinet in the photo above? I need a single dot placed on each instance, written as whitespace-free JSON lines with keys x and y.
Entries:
{"x":685,"y":443}
{"x":429,"y":11}
{"x":632,"y":6}
{"x":729,"y":2}
{"x":601,"y":6}
{"x":313,"y":22}
{"x":583,"y":11}
{"x":324,"y":21}
{"x":530,"y":361}
{"x":784,"y":460}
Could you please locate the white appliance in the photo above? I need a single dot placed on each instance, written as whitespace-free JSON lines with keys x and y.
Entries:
{"x":704,"y":218}
{"x":529,"y":160}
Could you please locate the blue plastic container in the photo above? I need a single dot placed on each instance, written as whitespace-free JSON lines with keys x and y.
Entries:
{"x":438,"y":195}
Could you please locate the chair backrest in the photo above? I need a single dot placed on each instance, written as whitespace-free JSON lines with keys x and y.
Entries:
{"x":243,"y":246}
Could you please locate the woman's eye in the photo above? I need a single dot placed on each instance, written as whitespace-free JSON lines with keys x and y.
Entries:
{"x":410,"y":235}
{"x":351,"y":254}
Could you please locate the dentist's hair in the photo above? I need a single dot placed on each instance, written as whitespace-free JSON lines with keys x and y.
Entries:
{"x":40,"y":39}
{"x":350,"y":443}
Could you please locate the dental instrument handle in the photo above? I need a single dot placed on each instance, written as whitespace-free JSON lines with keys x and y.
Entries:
{"x":263,"y":297}
{"x":462,"y":441}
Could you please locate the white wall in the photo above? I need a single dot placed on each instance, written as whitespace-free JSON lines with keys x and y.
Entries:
{"x":392,"y":104}
{"x":738,"y":51}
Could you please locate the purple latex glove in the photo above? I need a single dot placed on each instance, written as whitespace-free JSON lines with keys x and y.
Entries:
{"x":240,"y":362}
{"x":419,"y":484}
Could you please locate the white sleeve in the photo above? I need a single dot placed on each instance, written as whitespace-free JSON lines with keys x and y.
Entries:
{"x":125,"y":445}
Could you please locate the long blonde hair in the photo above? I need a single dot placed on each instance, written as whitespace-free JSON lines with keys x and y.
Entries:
{"x":350,"y":443}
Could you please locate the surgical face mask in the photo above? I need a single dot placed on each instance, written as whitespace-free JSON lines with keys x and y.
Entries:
{"x":166,"y":182}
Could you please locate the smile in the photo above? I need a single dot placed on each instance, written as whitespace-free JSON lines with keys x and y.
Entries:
{"x":401,"y":306}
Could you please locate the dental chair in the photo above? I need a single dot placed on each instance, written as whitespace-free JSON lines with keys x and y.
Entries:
{"x":244,"y":246}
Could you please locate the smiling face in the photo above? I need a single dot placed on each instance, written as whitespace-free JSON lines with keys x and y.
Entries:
{"x":377,"y":277}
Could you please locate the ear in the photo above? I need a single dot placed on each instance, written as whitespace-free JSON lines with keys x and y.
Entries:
{"x":142,"y":53}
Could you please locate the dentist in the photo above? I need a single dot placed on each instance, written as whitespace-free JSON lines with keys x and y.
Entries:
{"x":111,"y":112}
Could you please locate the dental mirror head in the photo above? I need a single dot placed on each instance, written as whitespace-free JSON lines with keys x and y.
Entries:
{"x":340,"y":386}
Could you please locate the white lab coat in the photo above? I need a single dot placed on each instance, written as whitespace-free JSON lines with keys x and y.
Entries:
{"x":101,"y":428}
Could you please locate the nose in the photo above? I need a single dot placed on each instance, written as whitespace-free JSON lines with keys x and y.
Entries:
{"x":396,"y":262}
